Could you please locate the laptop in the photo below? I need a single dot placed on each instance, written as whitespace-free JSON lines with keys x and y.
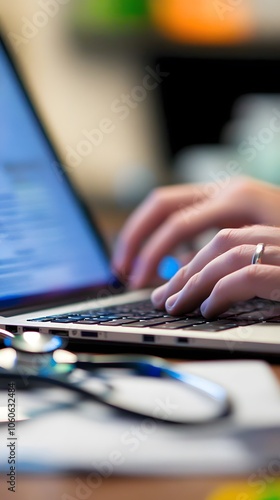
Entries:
{"x":55,"y":272}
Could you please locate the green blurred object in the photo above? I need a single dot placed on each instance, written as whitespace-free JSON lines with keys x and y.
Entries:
{"x":112,"y":14}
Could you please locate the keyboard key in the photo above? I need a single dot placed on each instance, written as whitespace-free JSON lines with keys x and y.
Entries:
{"x":151,"y":322}
{"x":118,"y":322}
{"x":181,"y":324}
{"x":87,"y":322}
{"x":213,"y":326}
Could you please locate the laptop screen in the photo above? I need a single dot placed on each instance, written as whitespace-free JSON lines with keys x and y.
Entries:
{"x":48,"y":247}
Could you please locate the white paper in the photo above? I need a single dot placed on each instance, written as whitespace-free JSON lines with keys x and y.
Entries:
{"x":90,"y":437}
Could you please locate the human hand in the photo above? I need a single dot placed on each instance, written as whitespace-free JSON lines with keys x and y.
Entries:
{"x":221,"y":273}
{"x":175,"y":214}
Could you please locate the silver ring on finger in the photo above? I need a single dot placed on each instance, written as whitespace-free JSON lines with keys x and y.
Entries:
{"x":258,"y":253}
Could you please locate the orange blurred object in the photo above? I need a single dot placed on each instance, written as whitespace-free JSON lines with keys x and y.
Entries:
{"x":205,"y":21}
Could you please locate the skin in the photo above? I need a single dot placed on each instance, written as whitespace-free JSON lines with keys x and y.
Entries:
{"x":220,"y":273}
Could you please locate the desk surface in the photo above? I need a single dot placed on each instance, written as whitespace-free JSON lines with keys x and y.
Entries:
{"x":65,"y":488}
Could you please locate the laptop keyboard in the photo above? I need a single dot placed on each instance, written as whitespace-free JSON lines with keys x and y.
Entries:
{"x":141,"y":314}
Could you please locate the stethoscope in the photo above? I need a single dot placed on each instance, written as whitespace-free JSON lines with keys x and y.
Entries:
{"x":33,"y":357}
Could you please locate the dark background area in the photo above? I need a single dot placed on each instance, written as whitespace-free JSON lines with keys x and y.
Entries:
{"x":198,"y":95}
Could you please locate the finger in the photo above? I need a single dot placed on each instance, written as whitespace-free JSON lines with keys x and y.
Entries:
{"x":181,"y":226}
{"x":251,"y":281}
{"x":162,"y":288}
{"x":160,"y":295}
{"x":151,"y":213}
{"x":185,"y":225}
{"x":221,"y":243}
{"x":200,"y":285}
{"x":186,"y":258}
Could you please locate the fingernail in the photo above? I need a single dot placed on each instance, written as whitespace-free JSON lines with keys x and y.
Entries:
{"x":204,"y":306}
{"x":158,"y":296}
{"x":171,"y":301}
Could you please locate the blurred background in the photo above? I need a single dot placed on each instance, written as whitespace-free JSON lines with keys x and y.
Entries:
{"x":140,"y":93}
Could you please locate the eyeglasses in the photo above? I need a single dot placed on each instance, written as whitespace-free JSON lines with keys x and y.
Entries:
{"x":38,"y":357}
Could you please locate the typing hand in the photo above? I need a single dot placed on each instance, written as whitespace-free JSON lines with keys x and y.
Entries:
{"x":222,"y":274}
{"x":178,"y":214}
